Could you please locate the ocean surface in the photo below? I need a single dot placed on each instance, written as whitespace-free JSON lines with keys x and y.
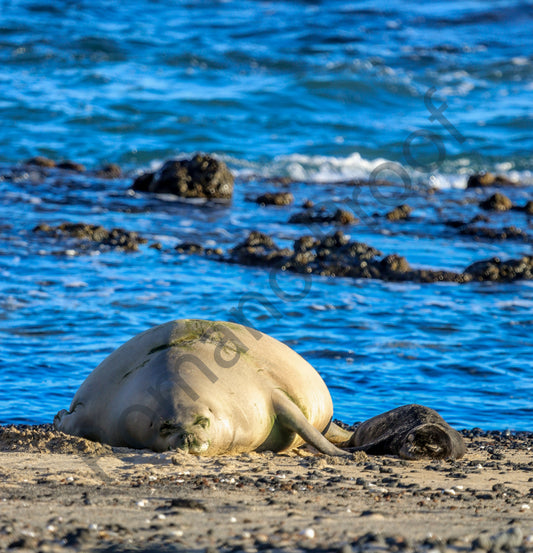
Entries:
{"x":321,"y":92}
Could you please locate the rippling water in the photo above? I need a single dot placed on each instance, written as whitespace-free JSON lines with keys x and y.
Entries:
{"x":318,"y":91}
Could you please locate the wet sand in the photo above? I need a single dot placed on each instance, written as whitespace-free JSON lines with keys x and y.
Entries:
{"x":60,"y":493}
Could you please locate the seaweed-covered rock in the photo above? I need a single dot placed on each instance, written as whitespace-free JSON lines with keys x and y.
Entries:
{"x":258,"y":249}
{"x":309,"y":216}
{"x":398,"y":213}
{"x":429,"y":275}
{"x":460,"y":224}
{"x":487,"y":233}
{"x":83,"y":233}
{"x":109,"y":171}
{"x":305,"y":243}
{"x":394,"y":264}
{"x":275,"y":198}
{"x":495,"y":269}
{"x":199,"y":177}
{"x":479,"y":180}
{"x":496,"y":202}
{"x":71,"y":166}
{"x":41,"y":161}
{"x":189,"y":247}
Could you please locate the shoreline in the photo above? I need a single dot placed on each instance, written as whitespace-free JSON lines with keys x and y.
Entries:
{"x":62,"y":493}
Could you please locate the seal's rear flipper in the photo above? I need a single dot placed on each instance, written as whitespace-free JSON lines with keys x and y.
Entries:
{"x":337,"y":435}
{"x":291,"y":417}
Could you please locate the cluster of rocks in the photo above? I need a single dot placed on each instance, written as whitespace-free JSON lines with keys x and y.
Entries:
{"x":338,"y":216}
{"x":495,"y":269}
{"x":399,"y":213}
{"x":336,"y":255}
{"x":489,"y":233}
{"x":500,"y":202}
{"x":202,"y":176}
{"x":486,"y":179}
{"x":477,"y":229}
{"x":275,"y":198}
{"x":323,"y":216}
{"x":88,"y":235}
{"x":331,"y":255}
{"x":107,"y":171}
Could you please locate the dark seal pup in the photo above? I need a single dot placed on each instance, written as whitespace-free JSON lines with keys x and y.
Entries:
{"x":412,"y":432}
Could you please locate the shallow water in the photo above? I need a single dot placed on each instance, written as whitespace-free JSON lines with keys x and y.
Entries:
{"x":312,"y":90}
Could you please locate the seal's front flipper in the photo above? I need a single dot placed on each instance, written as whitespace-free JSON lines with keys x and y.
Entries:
{"x":291,"y":417}
{"x":59,"y":420}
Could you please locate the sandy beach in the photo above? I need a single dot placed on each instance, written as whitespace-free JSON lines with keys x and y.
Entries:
{"x":62,"y":493}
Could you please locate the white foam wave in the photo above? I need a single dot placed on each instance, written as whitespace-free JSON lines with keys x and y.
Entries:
{"x":327,"y":169}
{"x":314,"y":168}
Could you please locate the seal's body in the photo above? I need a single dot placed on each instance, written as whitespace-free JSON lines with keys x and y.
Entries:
{"x":204,"y":387}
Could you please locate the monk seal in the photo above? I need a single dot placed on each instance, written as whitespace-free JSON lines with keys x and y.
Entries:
{"x":211,"y":388}
{"x":203,"y":387}
{"x":411,"y":432}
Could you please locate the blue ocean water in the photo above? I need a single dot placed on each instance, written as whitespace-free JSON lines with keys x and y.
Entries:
{"x":320,"y":92}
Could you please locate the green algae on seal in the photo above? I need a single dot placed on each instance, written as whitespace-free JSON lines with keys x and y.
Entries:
{"x":204,"y":387}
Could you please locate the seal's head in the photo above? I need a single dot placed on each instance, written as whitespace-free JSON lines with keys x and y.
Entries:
{"x":191,"y":436}
{"x":432,"y":441}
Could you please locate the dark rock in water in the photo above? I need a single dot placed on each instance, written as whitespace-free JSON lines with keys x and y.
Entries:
{"x":71,"y":166}
{"x":335,"y":240}
{"x":275,"y":198}
{"x":199,"y":177}
{"x":497,"y":202}
{"x":507,"y":233}
{"x":496,"y":270}
{"x":110,"y":171}
{"x":191,"y":248}
{"x":188,"y":247}
{"x":258,"y":249}
{"x":41,"y":161}
{"x":394,"y":264}
{"x":308,"y":204}
{"x":115,"y":238}
{"x":142,"y":182}
{"x":305,"y":243}
{"x":398,"y":213}
{"x":428,"y":276}
{"x":528,"y":208}
{"x":256,"y":239}
{"x":455,"y":223}
{"x":482,"y":179}
{"x":309,"y":216}
{"x":458,"y":223}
